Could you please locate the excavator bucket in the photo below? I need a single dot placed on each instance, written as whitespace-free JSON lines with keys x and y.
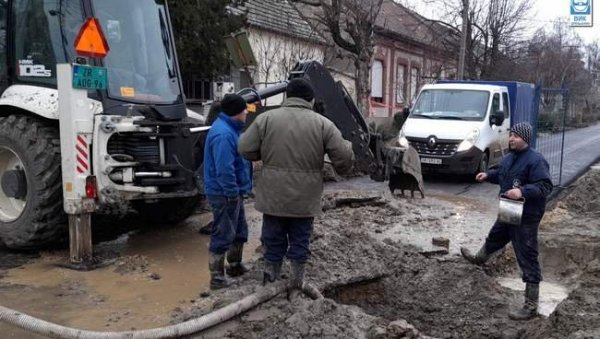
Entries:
{"x":403,"y":170}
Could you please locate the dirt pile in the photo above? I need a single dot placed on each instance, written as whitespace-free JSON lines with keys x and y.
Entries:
{"x":401,"y":293}
{"x":394,"y":285}
{"x":584,"y":198}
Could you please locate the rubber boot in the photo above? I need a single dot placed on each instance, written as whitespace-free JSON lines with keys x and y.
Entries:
{"x":296,"y":279}
{"x":529,"y":309}
{"x":234,"y":258}
{"x":478,"y":259}
{"x":216,"y":265}
{"x":271,"y":272}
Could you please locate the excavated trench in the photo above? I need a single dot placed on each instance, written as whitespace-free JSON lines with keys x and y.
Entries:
{"x":444,"y":297}
{"x":447,"y":299}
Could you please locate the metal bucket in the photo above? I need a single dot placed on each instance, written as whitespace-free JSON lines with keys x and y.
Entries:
{"x":510,"y":211}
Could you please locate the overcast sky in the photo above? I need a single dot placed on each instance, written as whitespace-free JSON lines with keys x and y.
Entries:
{"x":543,"y":14}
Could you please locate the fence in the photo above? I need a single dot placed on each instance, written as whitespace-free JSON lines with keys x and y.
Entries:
{"x":550,"y":128}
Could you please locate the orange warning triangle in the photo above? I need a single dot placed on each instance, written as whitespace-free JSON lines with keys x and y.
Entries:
{"x":90,"y":41}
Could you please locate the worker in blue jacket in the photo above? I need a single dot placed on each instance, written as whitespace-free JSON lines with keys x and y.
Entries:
{"x":523,"y":173}
{"x":227,"y":178}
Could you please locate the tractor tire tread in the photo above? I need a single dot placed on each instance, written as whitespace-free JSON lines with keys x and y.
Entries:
{"x":43,"y":220}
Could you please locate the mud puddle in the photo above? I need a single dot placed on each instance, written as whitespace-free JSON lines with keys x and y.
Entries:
{"x":463,"y":221}
{"x":551,"y":294}
{"x":149,"y":274}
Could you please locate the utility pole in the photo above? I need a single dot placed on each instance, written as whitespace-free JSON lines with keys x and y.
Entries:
{"x":463,"y":41}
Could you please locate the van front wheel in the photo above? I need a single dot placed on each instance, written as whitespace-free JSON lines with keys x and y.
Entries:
{"x":483,"y":163}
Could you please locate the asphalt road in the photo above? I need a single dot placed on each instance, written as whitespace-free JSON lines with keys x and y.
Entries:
{"x":581,"y":150}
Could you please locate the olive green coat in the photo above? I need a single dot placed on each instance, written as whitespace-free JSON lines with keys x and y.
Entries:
{"x":292,"y":142}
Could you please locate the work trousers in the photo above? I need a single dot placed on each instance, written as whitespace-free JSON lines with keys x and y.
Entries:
{"x":285,"y":236}
{"x":524,"y":240}
{"x":229,"y":223}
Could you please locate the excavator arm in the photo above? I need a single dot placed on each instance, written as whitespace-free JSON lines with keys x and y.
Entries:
{"x":401,"y":167}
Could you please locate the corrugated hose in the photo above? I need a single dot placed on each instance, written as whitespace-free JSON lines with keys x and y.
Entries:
{"x":196,"y":325}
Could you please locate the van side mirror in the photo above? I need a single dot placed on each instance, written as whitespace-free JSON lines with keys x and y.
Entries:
{"x":405,"y":112}
{"x":497,"y":118}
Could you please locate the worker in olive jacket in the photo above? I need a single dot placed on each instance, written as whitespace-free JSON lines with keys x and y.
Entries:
{"x":292,"y":142}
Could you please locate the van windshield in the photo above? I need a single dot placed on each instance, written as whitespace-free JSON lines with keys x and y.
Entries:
{"x":451,"y":104}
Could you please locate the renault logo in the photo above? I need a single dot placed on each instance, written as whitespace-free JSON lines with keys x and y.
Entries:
{"x":431,"y":142}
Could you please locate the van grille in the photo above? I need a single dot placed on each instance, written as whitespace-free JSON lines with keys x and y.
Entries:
{"x":441,"y":148}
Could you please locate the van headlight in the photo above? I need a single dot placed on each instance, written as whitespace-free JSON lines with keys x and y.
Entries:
{"x":402,"y":139}
{"x":469,"y":141}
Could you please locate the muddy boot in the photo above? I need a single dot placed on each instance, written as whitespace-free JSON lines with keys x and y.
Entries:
{"x":529,"y":309}
{"x":216,"y":264}
{"x":234,"y":258}
{"x":296,"y":279}
{"x":478,"y":259}
{"x":271,"y":271}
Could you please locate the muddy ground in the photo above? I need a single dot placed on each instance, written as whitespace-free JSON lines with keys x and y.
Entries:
{"x":372,"y":257}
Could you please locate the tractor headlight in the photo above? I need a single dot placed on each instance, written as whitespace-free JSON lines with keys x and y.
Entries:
{"x":469,"y":141}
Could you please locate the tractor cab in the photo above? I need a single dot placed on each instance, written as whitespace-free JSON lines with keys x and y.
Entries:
{"x":36,"y":35}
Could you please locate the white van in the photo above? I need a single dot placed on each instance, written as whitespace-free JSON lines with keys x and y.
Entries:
{"x":459,"y":128}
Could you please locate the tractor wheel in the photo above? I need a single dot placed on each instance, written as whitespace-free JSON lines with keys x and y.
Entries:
{"x":31,"y":202}
{"x":166,"y":211}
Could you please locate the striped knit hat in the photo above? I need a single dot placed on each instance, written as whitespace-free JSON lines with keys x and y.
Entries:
{"x":523,"y":130}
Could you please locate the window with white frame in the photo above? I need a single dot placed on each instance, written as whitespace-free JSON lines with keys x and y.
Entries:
{"x":414,"y":82}
{"x":377,"y":81}
{"x":400,"y":87}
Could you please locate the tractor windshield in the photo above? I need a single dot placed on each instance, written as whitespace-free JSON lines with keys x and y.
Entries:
{"x":141,"y":61}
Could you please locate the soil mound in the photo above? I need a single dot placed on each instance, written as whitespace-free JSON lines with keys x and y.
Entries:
{"x":585,"y":197}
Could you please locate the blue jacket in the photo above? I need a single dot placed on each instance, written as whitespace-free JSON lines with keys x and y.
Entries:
{"x":533,"y":174}
{"x":226,"y":173}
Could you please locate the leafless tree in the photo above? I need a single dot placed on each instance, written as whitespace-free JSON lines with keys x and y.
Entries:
{"x":593,"y":57}
{"x":350,"y":24}
{"x":298,"y":51}
{"x":266,"y":49}
{"x":493,"y":27}
{"x":277,"y":55}
{"x":557,"y":58}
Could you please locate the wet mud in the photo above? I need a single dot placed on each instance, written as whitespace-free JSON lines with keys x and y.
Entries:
{"x":375,"y":259}
{"x":144,"y":276}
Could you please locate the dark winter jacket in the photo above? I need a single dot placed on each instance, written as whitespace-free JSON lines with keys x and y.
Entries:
{"x":226,"y":173}
{"x":530,"y":171}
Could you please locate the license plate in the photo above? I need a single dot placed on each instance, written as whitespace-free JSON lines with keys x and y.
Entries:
{"x":89,"y":77}
{"x":432,"y":161}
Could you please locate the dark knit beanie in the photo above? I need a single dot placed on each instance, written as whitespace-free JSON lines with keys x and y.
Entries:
{"x":233,"y":104}
{"x":300,"y":88}
{"x":523,"y":130}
